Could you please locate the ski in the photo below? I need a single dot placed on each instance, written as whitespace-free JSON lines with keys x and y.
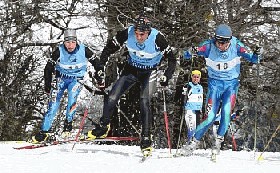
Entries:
{"x":204,"y":154}
{"x":167,"y":156}
{"x":214,"y":153}
{"x":46,"y":144}
{"x":214,"y":157}
{"x":110,"y":138}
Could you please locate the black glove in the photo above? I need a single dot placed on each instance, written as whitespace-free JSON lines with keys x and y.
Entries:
{"x":100,"y":78}
{"x":50,"y":85}
{"x":258,"y":50}
{"x":48,"y":89}
{"x":163,"y":81}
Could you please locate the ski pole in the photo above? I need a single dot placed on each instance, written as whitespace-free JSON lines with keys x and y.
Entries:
{"x":166,"y":121}
{"x":81,"y":127}
{"x":181,"y":125}
{"x":257,"y":101}
{"x":234,"y":145}
{"x":272,"y":136}
{"x":82,"y":124}
{"x":183,"y":115}
{"x":103,"y":92}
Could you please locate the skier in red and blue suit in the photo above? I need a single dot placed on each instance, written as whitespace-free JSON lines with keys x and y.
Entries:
{"x":222,"y":55}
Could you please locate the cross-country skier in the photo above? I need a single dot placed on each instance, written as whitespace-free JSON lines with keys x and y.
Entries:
{"x":222,"y":54}
{"x":145,"y":48}
{"x":193,"y":92}
{"x":68,"y":65}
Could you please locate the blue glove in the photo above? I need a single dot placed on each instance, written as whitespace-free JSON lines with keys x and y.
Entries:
{"x":187,"y":55}
{"x":191,"y":52}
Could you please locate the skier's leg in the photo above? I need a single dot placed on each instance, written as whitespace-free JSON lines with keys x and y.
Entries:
{"x":211,"y":110}
{"x":74,"y":89}
{"x":148,"y":82}
{"x":53,"y":106}
{"x":190,"y":118}
{"x":228,"y":103}
{"x":123,"y":84}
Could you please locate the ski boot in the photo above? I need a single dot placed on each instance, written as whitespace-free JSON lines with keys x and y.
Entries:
{"x":217,"y":144}
{"x":98,"y":132}
{"x":66,"y":133}
{"x":216,"y":147}
{"x":189,"y":148}
{"x":40,"y":137}
{"x":147,"y":151}
{"x":146,"y":148}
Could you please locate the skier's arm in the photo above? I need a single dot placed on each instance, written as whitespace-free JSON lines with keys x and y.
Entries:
{"x":202,"y":50}
{"x":91,"y":57}
{"x":112,"y":46}
{"x":162,"y":43}
{"x":242,"y":51}
{"x":186,"y":89}
{"x":49,"y":70}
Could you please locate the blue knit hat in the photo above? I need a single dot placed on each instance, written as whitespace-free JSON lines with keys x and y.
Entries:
{"x":223,"y":31}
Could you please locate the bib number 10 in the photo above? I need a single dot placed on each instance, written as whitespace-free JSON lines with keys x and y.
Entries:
{"x":222,"y":66}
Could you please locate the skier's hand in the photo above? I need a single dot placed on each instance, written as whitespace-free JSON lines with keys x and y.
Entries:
{"x":100,"y":78}
{"x":191,"y":53}
{"x":163,"y":81}
{"x":50,"y":85}
{"x":258,"y":50}
{"x":47,"y":89}
{"x":185,"y":90}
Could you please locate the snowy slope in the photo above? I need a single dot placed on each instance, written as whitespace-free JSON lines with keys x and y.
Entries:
{"x":123,"y":159}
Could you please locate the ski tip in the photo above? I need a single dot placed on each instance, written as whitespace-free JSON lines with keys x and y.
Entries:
{"x":260,"y":158}
{"x":144,"y":158}
{"x":13,"y":142}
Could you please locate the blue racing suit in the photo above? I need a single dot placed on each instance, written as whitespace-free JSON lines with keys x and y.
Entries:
{"x":223,"y":73}
{"x":69,"y":67}
{"x":193,"y":107}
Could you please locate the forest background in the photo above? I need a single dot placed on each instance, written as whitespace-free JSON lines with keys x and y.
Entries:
{"x":31,"y":29}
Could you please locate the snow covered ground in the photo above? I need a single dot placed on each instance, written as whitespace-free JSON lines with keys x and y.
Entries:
{"x":123,"y":159}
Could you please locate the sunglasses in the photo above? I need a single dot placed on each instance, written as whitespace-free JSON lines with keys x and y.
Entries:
{"x":195,"y":76}
{"x":222,"y":40}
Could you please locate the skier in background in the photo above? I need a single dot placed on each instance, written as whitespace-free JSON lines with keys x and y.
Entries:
{"x":222,"y":54}
{"x":145,"y":47}
{"x":193,"y":92}
{"x":67,"y":65}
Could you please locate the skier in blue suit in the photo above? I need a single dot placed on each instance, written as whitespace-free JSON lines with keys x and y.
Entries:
{"x":193,"y":106}
{"x":222,"y":54}
{"x":68,"y":65}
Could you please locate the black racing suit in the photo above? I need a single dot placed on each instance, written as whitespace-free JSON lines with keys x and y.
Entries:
{"x":131,"y":75}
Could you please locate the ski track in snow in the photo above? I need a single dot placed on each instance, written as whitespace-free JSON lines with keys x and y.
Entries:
{"x":123,"y":159}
